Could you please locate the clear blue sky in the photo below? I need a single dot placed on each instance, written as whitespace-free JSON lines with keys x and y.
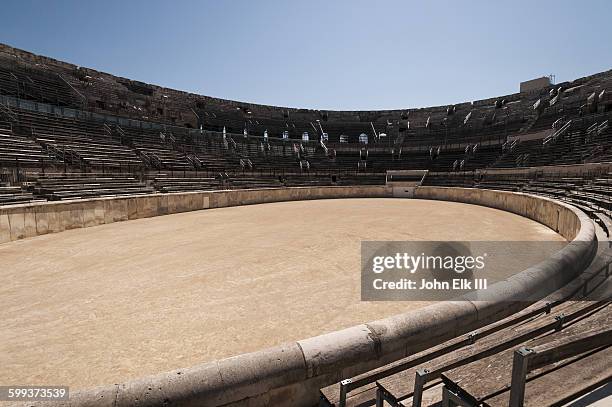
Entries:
{"x":322,"y":53}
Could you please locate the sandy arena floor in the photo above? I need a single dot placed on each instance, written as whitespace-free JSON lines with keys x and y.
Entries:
{"x":114,"y":302}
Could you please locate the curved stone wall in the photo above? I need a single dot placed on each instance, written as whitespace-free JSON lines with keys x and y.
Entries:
{"x":28,"y":220}
{"x":292,"y":373}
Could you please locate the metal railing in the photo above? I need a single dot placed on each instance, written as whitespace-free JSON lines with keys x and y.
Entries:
{"x":529,"y":359}
{"x":6,"y":110}
{"x":557,"y":133}
{"x":79,"y":94}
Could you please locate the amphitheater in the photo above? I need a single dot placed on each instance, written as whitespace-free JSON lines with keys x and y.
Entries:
{"x":165,"y":248}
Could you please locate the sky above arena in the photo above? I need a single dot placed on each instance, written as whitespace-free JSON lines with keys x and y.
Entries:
{"x":324,"y":54}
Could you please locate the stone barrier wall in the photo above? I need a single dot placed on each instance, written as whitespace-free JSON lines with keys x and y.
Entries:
{"x":291,"y":374}
{"x":559,"y":217}
{"x":28,"y":220}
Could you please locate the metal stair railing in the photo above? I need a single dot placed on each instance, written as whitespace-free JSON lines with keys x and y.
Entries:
{"x":107,"y":130}
{"x":79,"y":94}
{"x":195,"y":161}
{"x":8,"y":112}
{"x":557,"y":133}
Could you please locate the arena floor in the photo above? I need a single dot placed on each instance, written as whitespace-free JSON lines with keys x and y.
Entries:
{"x":114,"y":302}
